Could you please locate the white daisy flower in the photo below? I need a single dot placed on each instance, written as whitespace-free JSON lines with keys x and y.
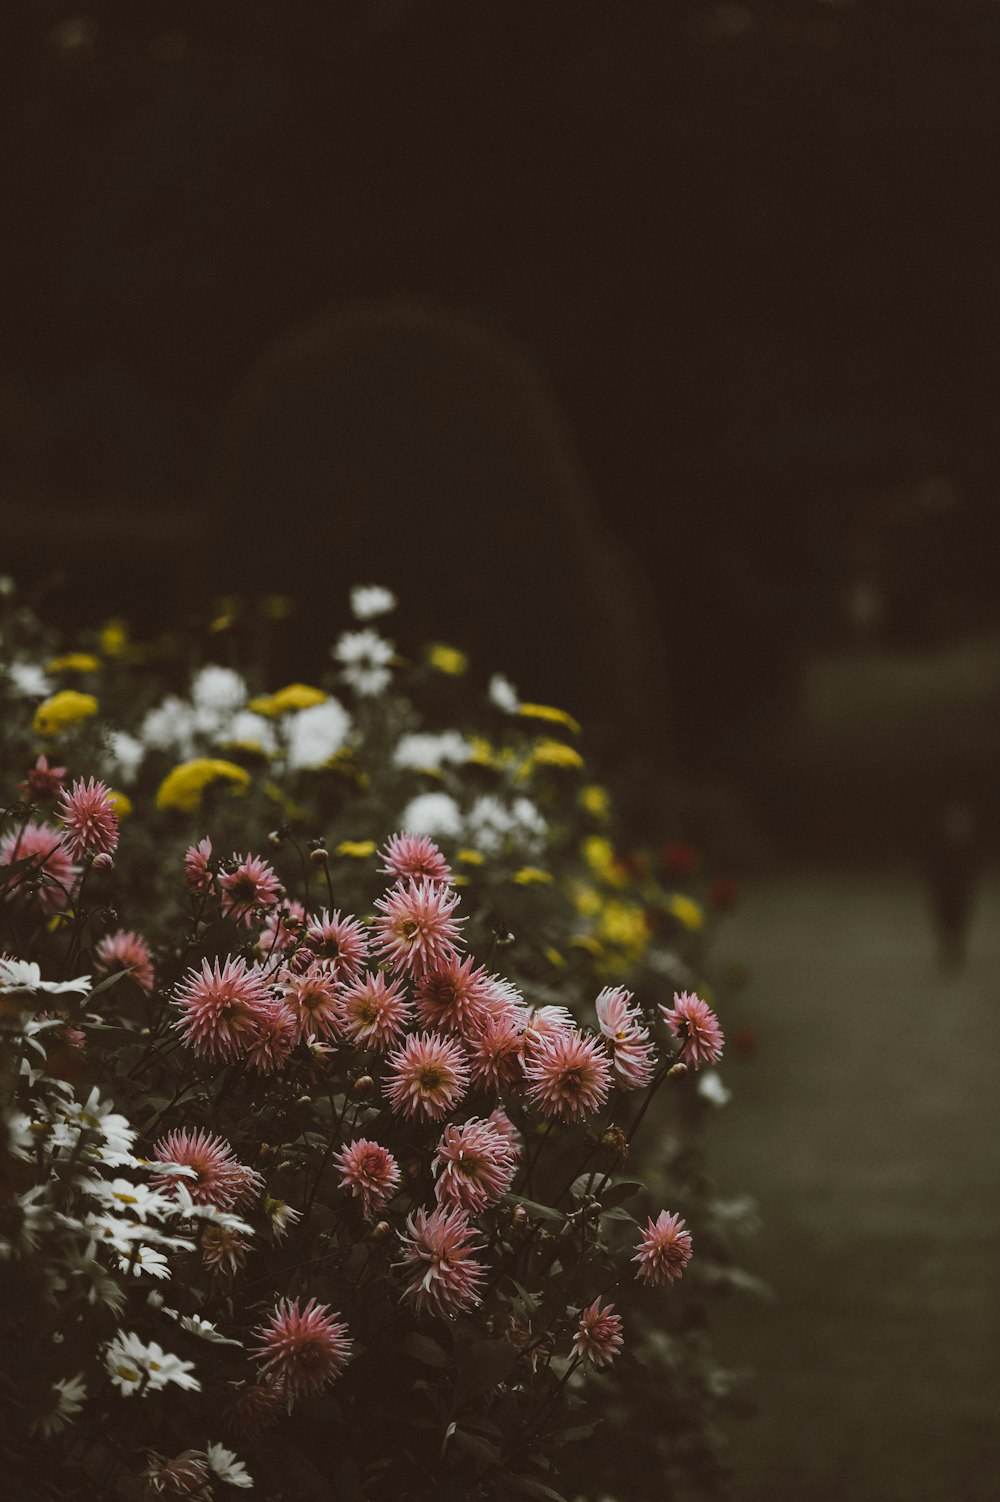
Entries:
{"x":249,"y":730}
{"x":28,"y":681}
{"x":69,"y":1395}
{"x":315,"y":734}
{"x":432,"y":814}
{"x":426,"y":752}
{"x":145,"y":1260}
{"x":503,"y":694}
{"x":126,"y":753}
{"x":370,"y":600}
{"x":218,"y":690}
{"x":170,"y":726}
{"x":135,"y":1366}
{"x":223,"y":1464}
{"x":25,"y":975}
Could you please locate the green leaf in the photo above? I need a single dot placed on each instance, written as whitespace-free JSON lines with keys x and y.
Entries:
{"x":482,"y":1364}
{"x":544,"y":1212}
{"x":475,"y":1445}
{"x":619,"y":1213}
{"x":425,"y":1350}
{"x":615,"y":1194}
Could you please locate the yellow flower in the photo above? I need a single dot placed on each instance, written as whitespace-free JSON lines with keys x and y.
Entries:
{"x":588,"y":943}
{"x":357,"y":849}
{"x":685,"y":910}
{"x":120,"y":802}
{"x":555,"y":958}
{"x":624,"y":926}
{"x":447,"y":659}
{"x":183,"y":787}
{"x":113,"y":637}
{"x":458,"y":880}
{"x":552,"y":754}
{"x":554,"y":716}
{"x":586,"y":899}
{"x":294,"y":696}
{"x":531,"y":876}
{"x":221,"y":623}
{"x":62,"y":710}
{"x":471,"y":858}
{"x":595,"y":801}
{"x":74,"y":662}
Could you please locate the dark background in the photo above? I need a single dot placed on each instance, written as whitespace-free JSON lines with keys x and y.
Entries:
{"x":749,"y":245}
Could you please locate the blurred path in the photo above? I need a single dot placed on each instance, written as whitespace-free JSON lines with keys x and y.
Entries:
{"x":867,"y":1127}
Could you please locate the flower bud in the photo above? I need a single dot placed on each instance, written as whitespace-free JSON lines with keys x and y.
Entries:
{"x":274,"y":838}
{"x":304,"y":1100}
{"x":319,"y":856}
{"x":676,"y":1070}
{"x":381,"y":1231}
{"x":103,"y":862}
{"x":363,"y":1087}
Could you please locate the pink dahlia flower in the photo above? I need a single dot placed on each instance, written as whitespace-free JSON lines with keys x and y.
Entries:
{"x":304,"y":1349}
{"x":442,"y":1274}
{"x":454,"y":996}
{"x":373,"y":1011}
{"x":89,"y":819}
{"x":412,"y":856}
{"x":221,"y":1009}
{"x":495,"y":1052}
{"x":475,"y":1164}
{"x":508,"y":1131}
{"x":251,"y":886}
{"x":224,"y":1252}
{"x":257,"y":1407}
{"x":598,"y":1335}
{"x":631,"y":1051}
{"x":275,"y":1035}
{"x":219,"y":1180}
{"x":693,"y":1022}
{"x":338,"y":944}
{"x":43,"y":782}
{"x":568,"y":1075}
{"x":664,"y":1250}
{"x":313,"y":1001}
{"x":197,"y":867}
{"x":544,"y":1022}
{"x":370,"y":1172}
{"x":126,"y":950}
{"x":427,"y":1076}
{"x":417,"y":930}
{"x":51,"y":864}
{"x":186,"y":1478}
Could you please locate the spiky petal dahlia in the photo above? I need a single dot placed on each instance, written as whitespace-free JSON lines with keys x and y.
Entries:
{"x":664,"y":1249}
{"x":338,"y":943}
{"x":631,"y":1051}
{"x":454,"y":997}
{"x":693,"y":1022}
{"x":313,"y":1001}
{"x":442,"y":1274}
{"x":221,"y":1007}
{"x":220,"y":1178}
{"x":51,"y":865}
{"x":427,"y":1076}
{"x":370,"y":1172}
{"x":373,"y":1011}
{"x":252,"y":885}
{"x":475,"y":1164}
{"x":274,"y":1037}
{"x":197,"y":868}
{"x":417,"y":930}
{"x":495,"y":1052}
{"x":126,"y":950}
{"x":598,"y":1335}
{"x":303,"y":1348}
{"x":89,"y":819}
{"x":413,"y":856}
{"x":43,"y":781}
{"x":186,"y":1478}
{"x":568,"y":1074}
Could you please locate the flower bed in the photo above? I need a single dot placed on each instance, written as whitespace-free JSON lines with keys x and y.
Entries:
{"x":353,"y":1087}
